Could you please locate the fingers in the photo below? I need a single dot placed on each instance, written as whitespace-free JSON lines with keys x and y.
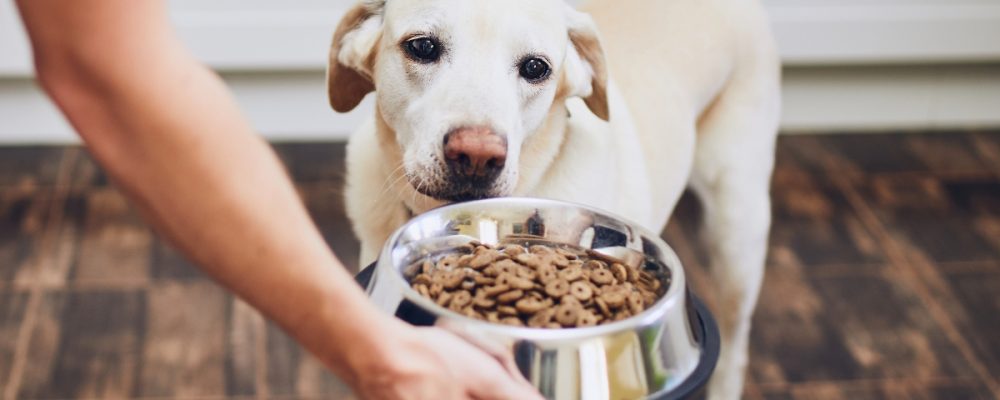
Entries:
{"x":499,"y":352}
{"x":490,"y":387}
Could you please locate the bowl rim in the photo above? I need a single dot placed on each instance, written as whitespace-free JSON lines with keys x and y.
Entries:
{"x":673,"y":298}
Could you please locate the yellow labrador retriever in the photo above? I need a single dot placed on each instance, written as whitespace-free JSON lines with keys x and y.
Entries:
{"x":488,"y":98}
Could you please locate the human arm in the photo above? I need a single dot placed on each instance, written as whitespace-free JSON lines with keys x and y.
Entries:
{"x":169,"y":134}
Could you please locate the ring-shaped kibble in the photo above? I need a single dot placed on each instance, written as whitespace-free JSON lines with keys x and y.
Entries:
{"x":484,"y":280}
{"x":572,"y":273}
{"x":483,"y":302}
{"x":504,"y":279}
{"x":601,"y":277}
{"x":595,"y":264}
{"x":421,"y":289}
{"x":635,"y":303}
{"x":557,"y":288}
{"x":540,"y":249}
{"x":481,"y":260}
{"x":448,"y":262}
{"x":546,"y":276}
{"x":421,"y":279}
{"x":522,"y":283}
{"x":510,"y":296}
{"x":581,"y":291}
{"x":453,"y":279}
{"x":507,"y":310}
{"x":603,"y":307}
{"x":427,"y":267}
{"x":526,"y":273}
{"x":570,"y":299}
{"x":587,"y":319}
{"x":558,"y":260}
{"x":614,"y":299}
{"x":529,"y":305}
{"x":464,"y":260}
{"x":461,"y":298}
{"x":541,"y":318}
{"x":443,"y":299}
{"x":567,"y":314}
{"x":436,"y":289}
{"x":528,"y":259}
{"x":496,"y":290}
{"x":567,"y":253}
{"x":513,"y":250}
{"x":620,"y":272}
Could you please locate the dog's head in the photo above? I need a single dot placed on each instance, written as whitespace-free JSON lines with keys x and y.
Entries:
{"x":462,"y":84}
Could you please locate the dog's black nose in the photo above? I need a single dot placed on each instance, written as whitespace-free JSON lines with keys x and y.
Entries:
{"x":475,"y":153}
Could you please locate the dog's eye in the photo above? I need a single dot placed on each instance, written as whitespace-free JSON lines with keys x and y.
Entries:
{"x":423,"y":49}
{"x":534,"y":70}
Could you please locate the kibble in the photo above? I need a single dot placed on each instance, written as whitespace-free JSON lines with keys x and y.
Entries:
{"x":535,"y":285}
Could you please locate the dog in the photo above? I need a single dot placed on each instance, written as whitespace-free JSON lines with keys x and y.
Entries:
{"x":477,"y":99}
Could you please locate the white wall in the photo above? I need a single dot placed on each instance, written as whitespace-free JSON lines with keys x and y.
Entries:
{"x":272,"y":53}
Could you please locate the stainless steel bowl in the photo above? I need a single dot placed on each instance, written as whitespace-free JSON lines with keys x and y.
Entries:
{"x":661,"y":353}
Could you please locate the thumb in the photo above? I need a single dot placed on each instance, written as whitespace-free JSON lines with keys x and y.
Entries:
{"x":500,"y":386}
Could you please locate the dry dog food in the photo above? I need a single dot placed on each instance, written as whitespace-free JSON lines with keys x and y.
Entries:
{"x":538,"y":286}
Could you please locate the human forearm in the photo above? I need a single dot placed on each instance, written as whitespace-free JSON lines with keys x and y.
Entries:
{"x":168,"y":133}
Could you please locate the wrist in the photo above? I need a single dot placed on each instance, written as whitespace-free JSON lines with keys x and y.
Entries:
{"x":356,"y":342}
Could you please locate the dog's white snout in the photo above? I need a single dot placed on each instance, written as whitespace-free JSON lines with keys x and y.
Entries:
{"x":475,"y":152}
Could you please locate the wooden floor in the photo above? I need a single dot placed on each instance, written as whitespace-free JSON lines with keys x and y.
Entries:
{"x":883,"y":280}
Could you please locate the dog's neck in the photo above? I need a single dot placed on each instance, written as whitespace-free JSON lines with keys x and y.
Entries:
{"x":539,"y":151}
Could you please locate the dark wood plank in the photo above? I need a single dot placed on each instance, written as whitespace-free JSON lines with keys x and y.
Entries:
{"x":12,"y":313}
{"x":184,"y":345}
{"x":978,"y":294}
{"x":847,"y":328}
{"x":243,"y":359}
{"x":875,"y":153}
{"x":294,"y":372}
{"x":86,"y":345}
{"x":942,"y":218}
{"x":84,"y":173}
{"x":880,"y":390}
{"x":325,"y":203}
{"x":813,"y":220}
{"x":168,"y":264}
{"x":945,"y":154}
{"x":114,"y":246}
{"x":22,"y":220}
{"x":314,"y":162}
{"x":29,"y":166}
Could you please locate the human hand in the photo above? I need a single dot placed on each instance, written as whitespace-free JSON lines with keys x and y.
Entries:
{"x":434,"y":363}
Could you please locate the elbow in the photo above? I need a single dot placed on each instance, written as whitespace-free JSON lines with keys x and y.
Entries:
{"x":62,"y":76}
{"x":78,"y":90}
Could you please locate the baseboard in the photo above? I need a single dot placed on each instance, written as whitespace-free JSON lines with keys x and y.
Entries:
{"x":852,"y":99}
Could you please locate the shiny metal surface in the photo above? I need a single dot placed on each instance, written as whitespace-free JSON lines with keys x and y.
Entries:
{"x":644,"y":356}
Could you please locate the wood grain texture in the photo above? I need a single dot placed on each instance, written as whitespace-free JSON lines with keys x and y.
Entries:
{"x":12,"y":312}
{"x":883,"y":269}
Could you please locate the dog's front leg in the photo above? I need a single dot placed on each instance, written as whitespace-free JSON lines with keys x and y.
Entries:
{"x":732,"y":173}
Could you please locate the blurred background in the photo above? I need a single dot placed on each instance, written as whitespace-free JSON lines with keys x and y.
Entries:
{"x":885,"y":253}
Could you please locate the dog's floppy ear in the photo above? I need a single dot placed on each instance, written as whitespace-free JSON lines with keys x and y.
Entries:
{"x":586,"y":70}
{"x":352,"y":56}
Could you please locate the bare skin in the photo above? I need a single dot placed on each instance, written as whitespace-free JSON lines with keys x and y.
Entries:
{"x":167,"y":131}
